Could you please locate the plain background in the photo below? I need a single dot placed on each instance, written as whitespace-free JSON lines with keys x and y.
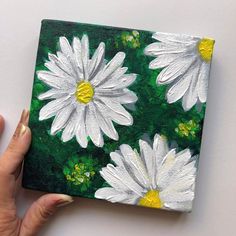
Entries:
{"x":214,"y":210}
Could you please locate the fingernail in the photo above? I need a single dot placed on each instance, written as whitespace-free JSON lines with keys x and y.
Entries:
{"x":22,"y":129}
{"x":64,"y":200}
{"x":24,"y":117}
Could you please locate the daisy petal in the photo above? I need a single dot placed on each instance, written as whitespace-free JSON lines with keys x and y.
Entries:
{"x":76,"y":44}
{"x":80,"y":132}
{"x":106,"y":125}
{"x":163,"y":60}
{"x":65,"y":47}
{"x":117,"y":158}
{"x":61,"y":64}
{"x":203,"y":81}
{"x":53,"y":93}
{"x":135,"y":164}
{"x":85,"y":54}
{"x":156,"y":49}
{"x":97,"y":61}
{"x":191,"y":95}
{"x":119,"y":83}
{"x":92,"y":126}
{"x":178,"y":89}
{"x":148,"y":158}
{"x":54,"y":81}
{"x":172,"y":168}
{"x":174,"y":38}
{"x":114,"y":64}
{"x":51,"y":108}
{"x":119,"y":178}
{"x":70,"y":128}
{"x":178,"y":68}
{"x":180,"y":206}
{"x":61,"y":118}
{"x":160,"y":148}
{"x":177,"y":196}
{"x":117,"y":112}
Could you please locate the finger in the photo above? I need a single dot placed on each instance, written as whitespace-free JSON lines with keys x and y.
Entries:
{"x":11,"y":161}
{"x":19,"y":144}
{"x":41,"y":211}
{"x":1,"y":124}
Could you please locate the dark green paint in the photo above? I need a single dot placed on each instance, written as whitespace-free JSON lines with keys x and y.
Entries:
{"x":49,"y":157}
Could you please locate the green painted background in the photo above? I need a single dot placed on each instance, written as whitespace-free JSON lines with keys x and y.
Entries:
{"x":49,"y":159}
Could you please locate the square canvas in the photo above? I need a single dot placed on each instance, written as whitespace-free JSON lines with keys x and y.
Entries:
{"x":117,"y":114}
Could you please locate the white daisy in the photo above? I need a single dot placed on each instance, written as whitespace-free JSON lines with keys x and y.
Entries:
{"x":157,"y":177}
{"x":186,"y":61}
{"x":88,"y":93}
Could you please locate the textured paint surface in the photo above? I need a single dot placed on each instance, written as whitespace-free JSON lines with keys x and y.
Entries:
{"x":65,"y":167}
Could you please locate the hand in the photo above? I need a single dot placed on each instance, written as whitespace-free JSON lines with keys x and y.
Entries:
{"x":10,"y":168}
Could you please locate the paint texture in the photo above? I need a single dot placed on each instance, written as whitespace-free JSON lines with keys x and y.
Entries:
{"x":100,"y":99}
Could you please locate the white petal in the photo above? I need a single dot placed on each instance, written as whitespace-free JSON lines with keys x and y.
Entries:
{"x":92,"y":126}
{"x":65,"y":47}
{"x":106,"y":125}
{"x":61,"y":63}
{"x":111,"y":194}
{"x":148,"y":158}
{"x":53,"y":93}
{"x":155,"y":49}
{"x":135,"y":165}
{"x":119,"y":178}
{"x":191,"y":95}
{"x":174,"y":38}
{"x":114,"y":64}
{"x":69,"y":64}
{"x":54,"y":81}
{"x":85,"y":54}
{"x":80,"y":132}
{"x":163,"y":60}
{"x":203,"y":78}
{"x":55,"y":69}
{"x":116,"y":112}
{"x":178,"y":68}
{"x":177,"y":196}
{"x":167,"y":163}
{"x":61,"y":118}
{"x":119,"y":83}
{"x":76,"y":44}
{"x":179,"y":88}
{"x":97,"y":61}
{"x":51,"y":108}
{"x":160,"y":148}
{"x":180,"y":206}
{"x":117,"y":158}
{"x":127,"y":97}
{"x":70,"y":128}
{"x":112,"y":78}
{"x":172,"y":167}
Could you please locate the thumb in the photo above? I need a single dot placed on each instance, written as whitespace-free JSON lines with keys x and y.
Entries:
{"x":41,"y":211}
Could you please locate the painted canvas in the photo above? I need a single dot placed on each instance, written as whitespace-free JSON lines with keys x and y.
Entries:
{"x":117,"y":114}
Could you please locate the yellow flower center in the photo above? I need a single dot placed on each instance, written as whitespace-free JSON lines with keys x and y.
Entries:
{"x":84,"y":92}
{"x":151,"y":199}
{"x":205,"y":48}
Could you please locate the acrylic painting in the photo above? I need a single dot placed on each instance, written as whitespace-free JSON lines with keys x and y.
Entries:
{"x":117,"y":114}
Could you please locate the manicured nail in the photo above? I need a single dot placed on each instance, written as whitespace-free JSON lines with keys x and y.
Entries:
{"x":64,"y":200}
{"x":22,"y":129}
{"x":24,"y":117}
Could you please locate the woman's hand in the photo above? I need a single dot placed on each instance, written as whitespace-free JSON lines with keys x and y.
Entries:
{"x":10,"y":168}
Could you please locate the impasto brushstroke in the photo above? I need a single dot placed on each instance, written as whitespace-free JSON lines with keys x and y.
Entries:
{"x":110,"y":122}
